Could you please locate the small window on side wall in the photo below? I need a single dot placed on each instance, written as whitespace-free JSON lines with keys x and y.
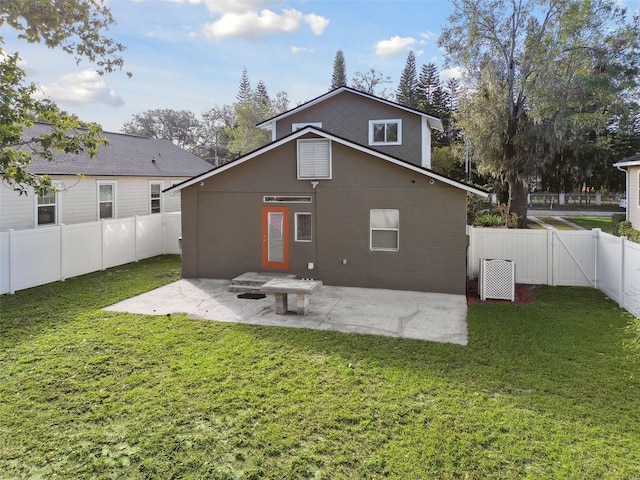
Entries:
{"x":106,"y":200}
{"x":384,"y":229}
{"x":303,"y":227}
{"x":385,"y":132}
{"x":47,"y":207}
{"x":155,"y":197}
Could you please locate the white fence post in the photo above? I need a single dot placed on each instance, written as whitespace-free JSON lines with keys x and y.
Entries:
{"x":550,"y":257}
{"x":135,"y":237}
{"x":62,"y":255}
{"x":12,"y":262}
{"x":623,"y":246}
{"x":103,"y":249}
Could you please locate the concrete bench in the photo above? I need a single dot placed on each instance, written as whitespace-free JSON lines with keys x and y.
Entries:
{"x":281,"y":287}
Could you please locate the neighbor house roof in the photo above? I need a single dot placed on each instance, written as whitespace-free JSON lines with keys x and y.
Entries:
{"x":433,"y":122}
{"x":126,"y":155}
{"x":629,"y":162}
{"x":323,"y":133}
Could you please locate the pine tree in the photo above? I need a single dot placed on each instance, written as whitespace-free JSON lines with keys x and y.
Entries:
{"x":244,"y":92}
{"x":339,"y":77}
{"x":407,"y":92}
{"x":428,"y":86}
{"x":453,"y":84}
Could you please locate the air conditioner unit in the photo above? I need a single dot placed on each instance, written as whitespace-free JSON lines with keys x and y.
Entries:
{"x":497,"y":279}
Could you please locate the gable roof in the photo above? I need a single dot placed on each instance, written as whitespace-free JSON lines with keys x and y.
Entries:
{"x":629,"y":162}
{"x":330,"y":136}
{"x":126,"y":155}
{"x":434,"y":122}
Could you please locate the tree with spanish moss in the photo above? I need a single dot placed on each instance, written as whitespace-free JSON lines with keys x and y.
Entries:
{"x":539,"y":74}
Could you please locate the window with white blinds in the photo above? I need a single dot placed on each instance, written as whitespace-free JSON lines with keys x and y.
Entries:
{"x":314,"y":159}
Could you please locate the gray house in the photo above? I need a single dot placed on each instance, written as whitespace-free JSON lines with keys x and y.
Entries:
{"x":347,"y":211}
{"x":125,"y":179}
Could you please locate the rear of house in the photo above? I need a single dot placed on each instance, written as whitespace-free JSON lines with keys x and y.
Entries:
{"x":321,"y":206}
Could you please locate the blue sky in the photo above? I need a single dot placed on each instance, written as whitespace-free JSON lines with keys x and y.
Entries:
{"x":190,"y":54}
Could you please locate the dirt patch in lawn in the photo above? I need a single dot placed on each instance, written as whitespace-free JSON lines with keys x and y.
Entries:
{"x":525,"y":294}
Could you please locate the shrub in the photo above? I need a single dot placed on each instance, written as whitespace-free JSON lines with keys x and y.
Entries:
{"x":488,"y":219}
{"x":625,"y":229}
{"x":616,"y":218}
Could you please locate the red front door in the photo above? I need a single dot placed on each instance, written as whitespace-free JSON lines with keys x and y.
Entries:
{"x":275,"y":238}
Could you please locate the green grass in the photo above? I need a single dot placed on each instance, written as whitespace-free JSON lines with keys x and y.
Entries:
{"x":555,"y":223}
{"x":604,"y":223}
{"x":542,"y":391}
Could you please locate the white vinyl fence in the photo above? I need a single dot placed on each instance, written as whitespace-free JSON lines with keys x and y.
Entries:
{"x":564,"y":257}
{"x":37,"y":256}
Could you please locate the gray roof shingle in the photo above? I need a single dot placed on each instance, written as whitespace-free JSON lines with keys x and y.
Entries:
{"x":126,"y":155}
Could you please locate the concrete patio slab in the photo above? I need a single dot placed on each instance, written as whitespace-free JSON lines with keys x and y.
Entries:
{"x":433,"y":317}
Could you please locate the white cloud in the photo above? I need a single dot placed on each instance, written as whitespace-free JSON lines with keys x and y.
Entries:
{"x":451,"y":73}
{"x":241,"y":18}
{"x":253,"y":24}
{"x":426,"y":36}
{"x":316,"y":22}
{"x":393,"y":46}
{"x":82,"y":88}
{"x":302,"y":50}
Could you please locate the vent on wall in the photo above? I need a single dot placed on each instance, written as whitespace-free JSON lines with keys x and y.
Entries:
{"x":497,"y":279}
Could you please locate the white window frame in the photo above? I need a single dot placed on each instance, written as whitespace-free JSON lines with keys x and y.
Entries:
{"x":298,"y":214}
{"x":387,"y":121}
{"x":56,"y":205}
{"x":155,"y":182}
{"x":309,"y":141}
{"x":299,"y":125}
{"x":173,"y":184}
{"x":114,"y":185}
{"x":373,"y":228}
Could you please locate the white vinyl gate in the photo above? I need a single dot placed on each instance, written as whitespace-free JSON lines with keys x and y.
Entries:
{"x":563,"y":257}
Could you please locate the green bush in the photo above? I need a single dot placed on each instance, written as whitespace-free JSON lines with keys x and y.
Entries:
{"x":625,"y":229}
{"x":616,"y":218}
{"x":488,"y":219}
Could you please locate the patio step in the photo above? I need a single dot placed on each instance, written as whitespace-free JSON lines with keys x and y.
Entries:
{"x":244,"y":288}
{"x":251,"y":282}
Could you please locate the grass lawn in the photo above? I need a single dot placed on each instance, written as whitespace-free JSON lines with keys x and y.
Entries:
{"x":541,"y":391}
{"x":603,"y":223}
{"x":555,"y":223}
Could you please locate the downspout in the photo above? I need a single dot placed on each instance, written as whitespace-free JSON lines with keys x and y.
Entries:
{"x":315,"y":230}
{"x":626,"y":186}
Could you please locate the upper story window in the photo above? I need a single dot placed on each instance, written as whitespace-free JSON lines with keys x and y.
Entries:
{"x":155,"y":197}
{"x":385,"y":132}
{"x":106,"y":199}
{"x":297,"y":126}
{"x":47,"y":207}
{"x":314,"y":159}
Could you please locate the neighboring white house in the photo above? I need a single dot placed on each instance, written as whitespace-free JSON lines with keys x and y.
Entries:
{"x":631,"y":166}
{"x":125,"y":179}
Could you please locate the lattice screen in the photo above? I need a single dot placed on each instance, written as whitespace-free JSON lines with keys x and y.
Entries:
{"x":497,"y":279}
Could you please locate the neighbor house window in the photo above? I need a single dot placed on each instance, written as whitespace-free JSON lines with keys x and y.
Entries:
{"x":106,"y":200}
{"x":47,"y":207}
{"x":298,"y":126}
{"x":314,"y":159}
{"x":385,"y":132}
{"x":385,"y":229}
{"x":155,"y":197}
{"x":303,"y":227}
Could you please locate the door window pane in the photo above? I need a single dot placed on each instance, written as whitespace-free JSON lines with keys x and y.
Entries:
{"x":276,"y":234}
